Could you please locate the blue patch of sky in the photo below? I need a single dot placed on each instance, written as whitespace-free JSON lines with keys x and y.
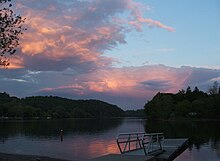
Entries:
{"x":195,"y":42}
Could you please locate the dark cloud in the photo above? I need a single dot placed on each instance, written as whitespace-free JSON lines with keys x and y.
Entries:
{"x":201,"y":77}
{"x":41,"y":63}
{"x":198,"y":75}
{"x":98,"y":12}
{"x":156,"y":85}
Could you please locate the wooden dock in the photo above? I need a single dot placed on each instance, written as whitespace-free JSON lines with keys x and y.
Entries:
{"x":165,"y":150}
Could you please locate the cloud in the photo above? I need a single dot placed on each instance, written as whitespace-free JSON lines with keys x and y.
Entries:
{"x":202,"y":77}
{"x":128,"y":87}
{"x":138,"y":23}
{"x":156,"y":85}
{"x":71,"y":34}
{"x":138,"y":20}
{"x":133,"y":86}
{"x":62,"y":54}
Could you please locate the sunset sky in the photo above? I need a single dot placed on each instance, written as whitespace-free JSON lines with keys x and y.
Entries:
{"x":119,"y":51}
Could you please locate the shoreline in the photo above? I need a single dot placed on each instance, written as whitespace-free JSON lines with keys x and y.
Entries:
{"x":69,"y":118}
{"x":22,"y":157}
{"x":190,"y":120}
{"x":144,"y":118}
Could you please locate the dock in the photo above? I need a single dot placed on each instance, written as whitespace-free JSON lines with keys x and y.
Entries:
{"x":173,"y":148}
{"x":146,"y":147}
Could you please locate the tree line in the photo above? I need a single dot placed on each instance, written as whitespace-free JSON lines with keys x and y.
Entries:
{"x":55,"y":107}
{"x":185,"y":104}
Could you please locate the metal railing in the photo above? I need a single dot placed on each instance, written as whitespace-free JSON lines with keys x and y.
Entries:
{"x":129,"y":141}
{"x":149,"y":142}
{"x":153,"y":142}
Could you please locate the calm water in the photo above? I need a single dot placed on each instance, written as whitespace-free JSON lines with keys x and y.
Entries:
{"x":88,"y":138}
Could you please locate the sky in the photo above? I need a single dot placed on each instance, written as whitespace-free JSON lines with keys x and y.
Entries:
{"x":119,"y":51}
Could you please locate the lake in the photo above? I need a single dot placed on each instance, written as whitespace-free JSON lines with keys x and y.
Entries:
{"x":89,"y":138}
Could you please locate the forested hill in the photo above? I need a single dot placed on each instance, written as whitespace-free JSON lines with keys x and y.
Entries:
{"x":55,"y":107}
{"x":185,"y":104}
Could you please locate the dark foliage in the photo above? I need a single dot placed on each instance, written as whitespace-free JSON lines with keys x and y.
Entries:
{"x":10,"y":30}
{"x":55,"y":107}
{"x":135,"y":113}
{"x":184,"y":104}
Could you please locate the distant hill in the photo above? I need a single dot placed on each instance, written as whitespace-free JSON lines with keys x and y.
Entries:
{"x":135,"y":113}
{"x":55,"y":107}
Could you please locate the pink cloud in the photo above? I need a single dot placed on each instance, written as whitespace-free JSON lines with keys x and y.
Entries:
{"x":136,"y":82}
{"x":153,"y":23}
{"x":133,"y":86}
{"x":79,"y":30}
{"x":128,"y":87}
{"x":138,"y":20}
{"x":66,"y":42}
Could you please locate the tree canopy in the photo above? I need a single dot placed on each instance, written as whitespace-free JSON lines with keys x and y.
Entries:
{"x":55,"y":107}
{"x":185,"y":104}
{"x":10,"y":30}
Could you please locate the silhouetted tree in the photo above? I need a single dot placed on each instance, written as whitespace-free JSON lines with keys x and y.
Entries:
{"x":10,"y":30}
{"x":182,"y":91}
{"x":214,"y":89}
{"x":196,"y":89}
{"x":188,"y":90}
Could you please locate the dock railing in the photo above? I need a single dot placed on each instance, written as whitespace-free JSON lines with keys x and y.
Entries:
{"x":149,"y":142}
{"x":153,"y":143}
{"x":129,"y":141}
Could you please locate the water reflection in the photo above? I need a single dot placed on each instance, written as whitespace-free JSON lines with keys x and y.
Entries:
{"x":204,"y":137}
{"x":82,"y":138}
{"x":50,"y":129}
{"x":88,"y":138}
{"x":199,"y":132}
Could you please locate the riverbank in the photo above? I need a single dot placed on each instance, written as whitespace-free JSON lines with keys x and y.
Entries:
{"x":19,"y":157}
